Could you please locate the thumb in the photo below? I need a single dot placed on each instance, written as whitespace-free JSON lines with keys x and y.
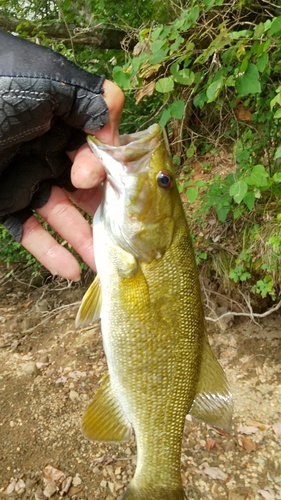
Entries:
{"x":114,"y":99}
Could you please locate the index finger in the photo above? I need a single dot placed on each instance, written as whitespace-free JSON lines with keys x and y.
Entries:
{"x":64,"y":217}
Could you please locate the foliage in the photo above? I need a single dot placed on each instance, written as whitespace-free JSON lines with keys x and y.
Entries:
{"x":12,"y":252}
{"x":209,"y":72}
{"x":216,"y":73}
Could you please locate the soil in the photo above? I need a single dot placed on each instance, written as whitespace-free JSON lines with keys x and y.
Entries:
{"x":49,"y":372}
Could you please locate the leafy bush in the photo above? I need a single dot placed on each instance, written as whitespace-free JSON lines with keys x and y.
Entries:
{"x":214,"y":75}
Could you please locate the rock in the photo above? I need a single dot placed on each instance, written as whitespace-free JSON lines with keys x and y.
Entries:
{"x":43,"y":305}
{"x":39,"y":495}
{"x":11,"y":487}
{"x":20,"y":486}
{"x":27,"y":323}
{"x":73,"y":395}
{"x":66,"y":485}
{"x":30,"y":369}
{"x":225,"y":322}
{"x":76,"y":481}
{"x":50,"y":489}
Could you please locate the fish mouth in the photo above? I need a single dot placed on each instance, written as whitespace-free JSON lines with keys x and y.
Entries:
{"x":129,"y":157}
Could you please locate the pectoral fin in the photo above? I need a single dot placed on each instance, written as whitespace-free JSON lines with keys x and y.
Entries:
{"x":89,"y":310}
{"x":104,"y":419}
{"x":213,"y":402}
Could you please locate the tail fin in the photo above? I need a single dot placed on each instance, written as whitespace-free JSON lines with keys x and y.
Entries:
{"x":153,"y":493}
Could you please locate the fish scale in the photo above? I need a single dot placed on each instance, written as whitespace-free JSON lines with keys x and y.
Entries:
{"x":160,"y":366}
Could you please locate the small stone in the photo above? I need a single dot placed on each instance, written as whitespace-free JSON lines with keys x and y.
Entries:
{"x":30,"y":369}
{"x":27,"y":323}
{"x":66,"y":485}
{"x":50,"y":489}
{"x":76,"y":481}
{"x":20,"y":486}
{"x":11,"y":487}
{"x":73,"y":395}
{"x":43,"y":305}
{"x":39,"y":495}
{"x":73,"y":491}
{"x":49,"y":372}
{"x":30,"y":483}
{"x":44,"y":359}
{"x":111,"y":486}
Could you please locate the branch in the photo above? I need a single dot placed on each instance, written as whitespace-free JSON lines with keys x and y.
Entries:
{"x":250,"y":314}
{"x":100,"y":36}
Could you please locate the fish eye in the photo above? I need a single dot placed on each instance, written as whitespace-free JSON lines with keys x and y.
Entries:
{"x":165,"y":180}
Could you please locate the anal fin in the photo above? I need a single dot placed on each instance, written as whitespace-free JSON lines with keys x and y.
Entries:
{"x":104,"y":419}
{"x":213,"y":401}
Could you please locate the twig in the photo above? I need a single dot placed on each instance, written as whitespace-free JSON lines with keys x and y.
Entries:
{"x":68,"y":31}
{"x":51,"y":314}
{"x":251,"y":314}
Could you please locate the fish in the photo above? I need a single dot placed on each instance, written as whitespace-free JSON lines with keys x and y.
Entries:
{"x":147,"y":294}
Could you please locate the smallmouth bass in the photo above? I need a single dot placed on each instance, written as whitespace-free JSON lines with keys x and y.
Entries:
{"x":147,"y":294}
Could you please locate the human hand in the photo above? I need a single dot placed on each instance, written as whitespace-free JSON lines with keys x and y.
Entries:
{"x":43,"y":105}
{"x":87,"y":174}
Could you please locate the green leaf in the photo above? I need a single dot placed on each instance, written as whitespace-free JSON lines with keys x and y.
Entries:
{"x":277,"y":153}
{"x":249,"y":83}
{"x":249,"y":200}
{"x":209,"y":4}
{"x":258,"y":31}
{"x":275,"y":26}
{"x":157,"y":57}
{"x":180,"y":187}
{"x":244,"y":65}
{"x":190,"y":151}
{"x":194,"y":13}
{"x":222,"y":213}
{"x":235,"y":35}
{"x":176,"y":160}
{"x":157,"y":45}
{"x":262,"y":62}
{"x":138,"y":61}
{"x":258,"y":177}
{"x":165,"y":117}
{"x":178,"y":41}
{"x":165,"y":85}
{"x":214,"y":89}
{"x":277,"y":114}
{"x":277,"y":178}
{"x":238,"y":190}
{"x":199,"y":100}
{"x":122,"y":78}
{"x":276,"y":99}
{"x":191,"y":194}
{"x":177,"y":109}
{"x":200,"y":183}
{"x":157,"y":32}
{"x":184,"y":76}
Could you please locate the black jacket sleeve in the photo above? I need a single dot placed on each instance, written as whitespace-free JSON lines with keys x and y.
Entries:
{"x":45,"y":102}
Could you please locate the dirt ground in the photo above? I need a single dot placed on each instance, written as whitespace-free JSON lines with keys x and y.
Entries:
{"x":49,"y":372}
